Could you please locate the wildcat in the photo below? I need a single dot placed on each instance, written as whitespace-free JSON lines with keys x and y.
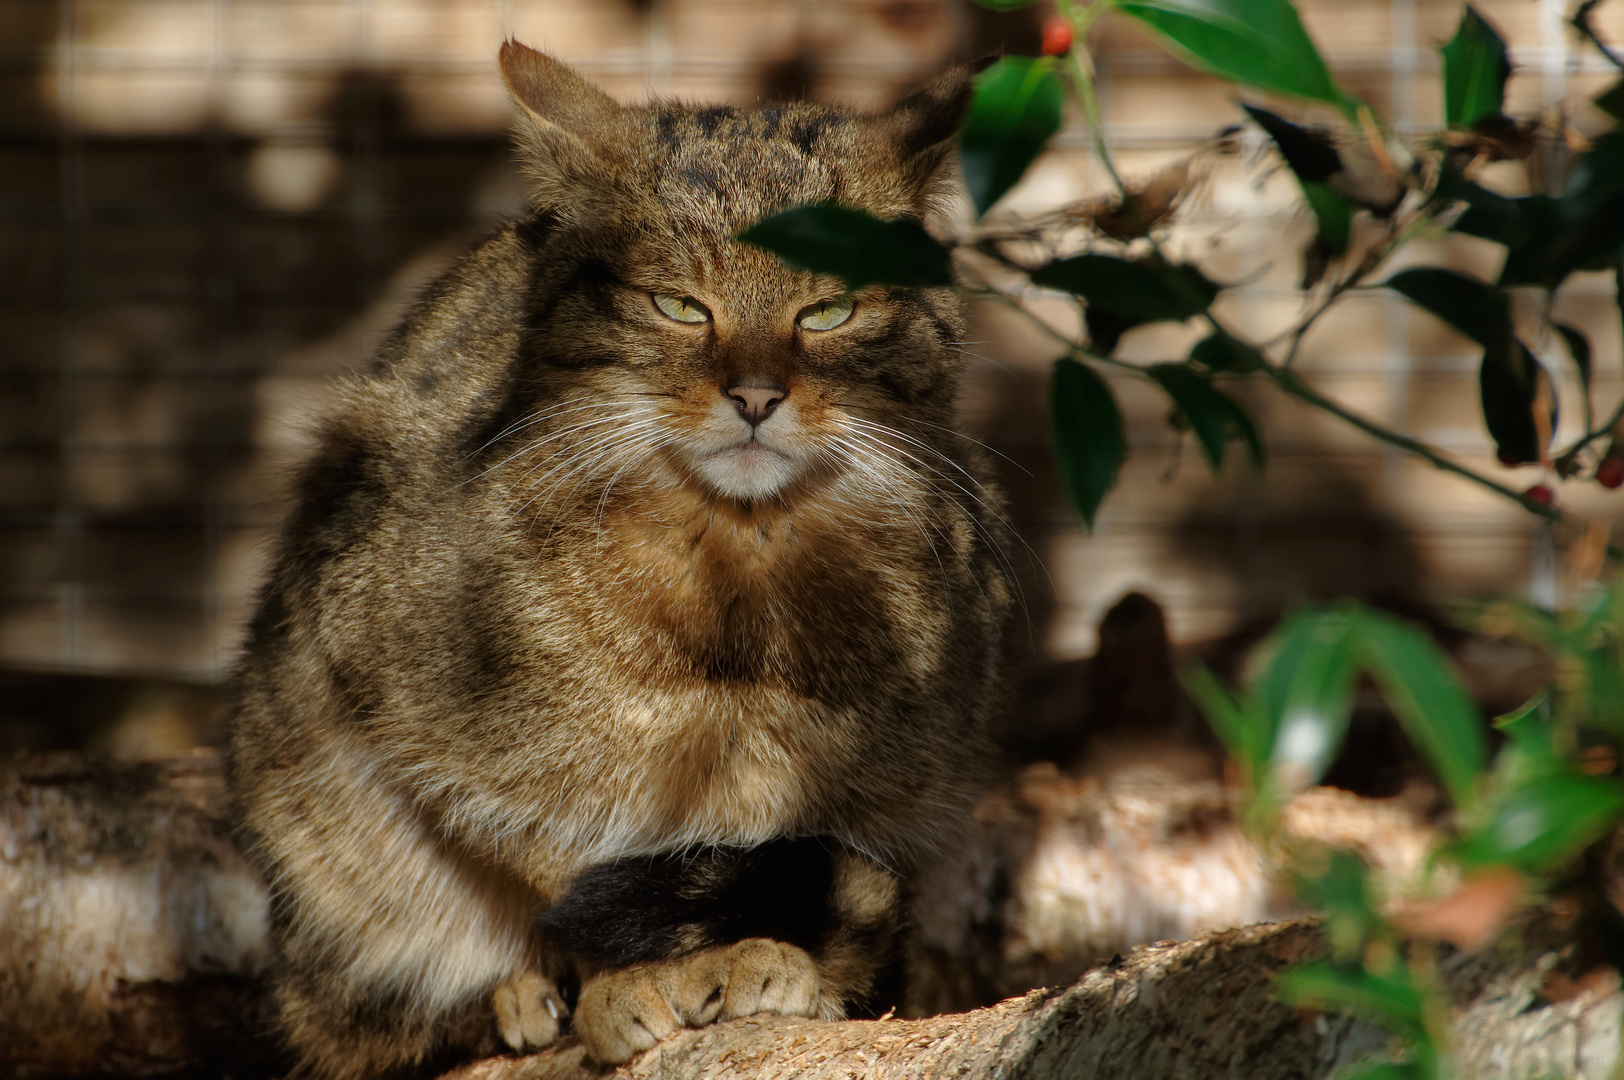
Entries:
{"x":639,"y":620}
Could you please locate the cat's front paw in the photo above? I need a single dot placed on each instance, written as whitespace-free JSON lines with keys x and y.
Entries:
{"x":622,"y":1013}
{"x":529,"y":1011}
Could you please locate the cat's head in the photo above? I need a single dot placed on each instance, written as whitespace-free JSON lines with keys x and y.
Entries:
{"x":742,"y":375}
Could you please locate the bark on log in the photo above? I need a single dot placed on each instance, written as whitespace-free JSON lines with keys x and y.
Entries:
{"x":1194,"y":1010}
{"x":132,"y":938}
{"x":132,"y":932}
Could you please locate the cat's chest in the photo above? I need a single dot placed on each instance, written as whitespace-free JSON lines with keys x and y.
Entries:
{"x":753,"y":601}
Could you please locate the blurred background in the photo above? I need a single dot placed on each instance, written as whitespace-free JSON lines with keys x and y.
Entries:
{"x":208,"y":208}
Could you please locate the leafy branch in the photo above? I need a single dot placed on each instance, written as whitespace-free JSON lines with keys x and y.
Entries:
{"x":1521,"y":819}
{"x":1124,"y":277}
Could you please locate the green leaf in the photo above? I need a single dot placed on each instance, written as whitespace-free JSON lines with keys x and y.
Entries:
{"x":1475,"y":71}
{"x":1134,"y":290}
{"x":1220,"y":352}
{"x":1596,"y":176}
{"x":1488,"y":213}
{"x":1333,"y":214}
{"x":1307,"y":692}
{"x":1535,"y":246}
{"x":1213,"y":415}
{"x":1477,"y":309}
{"x":1618,"y":302}
{"x":1528,"y":729}
{"x":1507,"y":381}
{"x":1529,"y":751}
{"x":1533,"y":229}
{"x":1105,"y":329}
{"x":1422,"y":691}
{"x":1611,"y":100}
{"x":1246,"y":733}
{"x":1605,"y":689}
{"x":1089,"y":441}
{"x":1332,"y":191}
{"x":1014,"y":111}
{"x":1312,"y":156}
{"x":1592,"y":210}
{"x":1310,"y":153}
{"x":1258,"y":43}
{"x":1122,"y":294}
{"x":1392,"y":1000}
{"x":1507,"y":373}
{"x":1547,"y":239}
{"x":1579,"y":349}
{"x":1389,"y":1070}
{"x":1545,"y":821}
{"x":1343,"y":895}
{"x":855,"y":246}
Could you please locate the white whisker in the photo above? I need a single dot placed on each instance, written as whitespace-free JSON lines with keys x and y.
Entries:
{"x":872,"y":433}
{"x":535,"y":445}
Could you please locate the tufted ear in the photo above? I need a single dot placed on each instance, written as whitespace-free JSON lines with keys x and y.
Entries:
{"x":571,"y":134}
{"x":921,"y":126}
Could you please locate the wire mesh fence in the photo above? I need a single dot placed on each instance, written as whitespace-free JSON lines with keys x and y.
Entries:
{"x":210,"y":207}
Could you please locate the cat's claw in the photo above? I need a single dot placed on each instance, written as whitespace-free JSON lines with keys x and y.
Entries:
{"x":529,"y":1011}
{"x":622,"y":1013}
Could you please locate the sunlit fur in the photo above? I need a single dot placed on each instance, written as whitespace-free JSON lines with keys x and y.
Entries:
{"x":547,"y":601}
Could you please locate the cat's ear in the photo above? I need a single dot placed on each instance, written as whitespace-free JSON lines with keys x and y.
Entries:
{"x":921,"y":126}
{"x":571,"y":134}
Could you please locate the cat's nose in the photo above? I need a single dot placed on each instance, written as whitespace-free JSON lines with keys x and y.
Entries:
{"x":756,"y":399}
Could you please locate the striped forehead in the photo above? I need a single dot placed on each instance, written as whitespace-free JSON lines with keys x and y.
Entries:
{"x":800,"y":125}
{"x":725,"y":168}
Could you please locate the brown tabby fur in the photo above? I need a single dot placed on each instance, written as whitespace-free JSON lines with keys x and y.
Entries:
{"x":537,"y":610}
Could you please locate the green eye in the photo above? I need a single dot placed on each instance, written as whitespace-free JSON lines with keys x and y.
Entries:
{"x":684,"y":309}
{"x":825,"y":314}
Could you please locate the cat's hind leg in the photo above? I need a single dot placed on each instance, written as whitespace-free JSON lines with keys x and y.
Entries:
{"x":394,"y":947}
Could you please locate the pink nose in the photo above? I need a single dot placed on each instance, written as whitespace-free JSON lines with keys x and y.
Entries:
{"x":756,"y":402}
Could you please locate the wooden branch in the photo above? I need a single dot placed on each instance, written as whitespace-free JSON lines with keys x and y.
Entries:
{"x":132,"y":942}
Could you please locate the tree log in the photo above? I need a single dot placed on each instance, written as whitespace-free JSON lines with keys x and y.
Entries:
{"x":132,"y":931}
{"x":1181,"y":1011}
{"x":132,"y":944}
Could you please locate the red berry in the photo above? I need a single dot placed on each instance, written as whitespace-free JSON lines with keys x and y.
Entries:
{"x":1610,"y":473}
{"x":1542,"y":494}
{"x":1056,"y":36}
{"x":1509,"y":460}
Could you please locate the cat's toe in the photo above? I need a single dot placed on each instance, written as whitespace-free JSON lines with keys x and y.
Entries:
{"x":623,"y":1013}
{"x":765,"y":976}
{"x":529,"y":1011}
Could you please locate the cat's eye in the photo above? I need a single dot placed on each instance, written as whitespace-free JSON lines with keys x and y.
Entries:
{"x":683,"y":309}
{"x":825,"y":314}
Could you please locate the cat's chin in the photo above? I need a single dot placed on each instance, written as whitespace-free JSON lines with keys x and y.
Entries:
{"x":748,"y":472}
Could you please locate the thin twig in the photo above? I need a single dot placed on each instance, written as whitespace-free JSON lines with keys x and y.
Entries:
{"x":1293,"y":384}
{"x":1367,"y":266}
{"x":1073,"y":348}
